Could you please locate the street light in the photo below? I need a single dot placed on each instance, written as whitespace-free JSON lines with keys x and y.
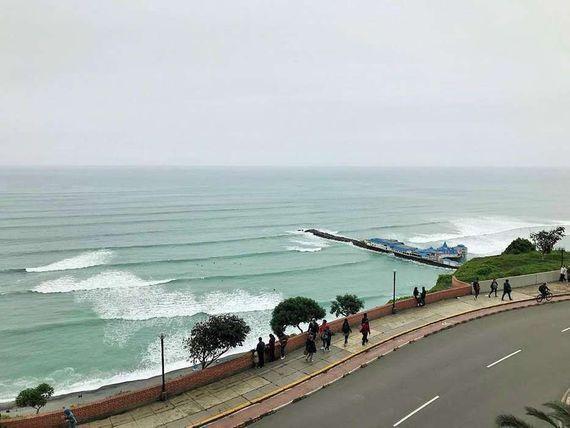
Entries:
{"x":163,"y":390}
{"x":394,"y":294}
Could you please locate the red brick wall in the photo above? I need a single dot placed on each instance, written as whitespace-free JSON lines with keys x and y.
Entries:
{"x":130,"y":400}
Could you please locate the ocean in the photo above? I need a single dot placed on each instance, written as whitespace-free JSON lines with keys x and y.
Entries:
{"x":96,"y":263}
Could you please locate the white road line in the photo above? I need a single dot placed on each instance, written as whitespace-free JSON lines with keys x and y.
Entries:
{"x":416,"y":411}
{"x":504,"y":358}
{"x":566,"y":329}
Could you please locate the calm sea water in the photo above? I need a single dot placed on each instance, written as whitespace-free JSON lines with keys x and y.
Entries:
{"x":95,"y":263}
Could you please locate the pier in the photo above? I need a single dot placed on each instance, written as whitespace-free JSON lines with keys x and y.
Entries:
{"x":362,"y":244}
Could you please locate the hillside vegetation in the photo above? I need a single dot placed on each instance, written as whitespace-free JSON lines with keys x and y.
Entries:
{"x":505,"y":265}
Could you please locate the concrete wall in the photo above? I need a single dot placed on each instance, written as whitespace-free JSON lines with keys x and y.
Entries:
{"x":523,"y":280}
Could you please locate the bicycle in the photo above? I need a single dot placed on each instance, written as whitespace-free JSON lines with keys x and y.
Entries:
{"x":541,"y":297}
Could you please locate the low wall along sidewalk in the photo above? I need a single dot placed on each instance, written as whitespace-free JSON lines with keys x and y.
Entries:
{"x":523,"y":280}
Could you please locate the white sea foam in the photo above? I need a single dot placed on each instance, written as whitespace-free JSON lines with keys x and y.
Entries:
{"x":304,"y":249}
{"x":155,"y":302}
{"x":483,"y":235}
{"x":93,"y":258}
{"x":308,"y":244}
{"x":104,"y":280}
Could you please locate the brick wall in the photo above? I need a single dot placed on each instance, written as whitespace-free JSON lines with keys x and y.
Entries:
{"x":123,"y":402}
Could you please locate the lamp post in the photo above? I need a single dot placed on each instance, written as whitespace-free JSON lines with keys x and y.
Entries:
{"x":562,"y":261}
{"x":394,"y":294}
{"x":163,"y":389}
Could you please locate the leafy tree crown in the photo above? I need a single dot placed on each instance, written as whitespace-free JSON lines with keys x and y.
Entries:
{"x":293,"y":312}
{"x":35,"y":397}
{"x":519,"y":246}
{"x":212,"y":338}
{"x":545,"y":240}
{"x":346,"y":305}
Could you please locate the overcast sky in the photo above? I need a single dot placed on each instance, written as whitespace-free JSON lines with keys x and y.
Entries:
{"x":435,"y":82}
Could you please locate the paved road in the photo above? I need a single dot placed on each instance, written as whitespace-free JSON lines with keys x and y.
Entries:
{"x":451,"y":365}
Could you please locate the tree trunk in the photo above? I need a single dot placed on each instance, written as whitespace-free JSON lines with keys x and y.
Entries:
{"x":300,"y":329}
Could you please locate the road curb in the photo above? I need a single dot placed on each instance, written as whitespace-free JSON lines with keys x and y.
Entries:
{"x":492,"y":310}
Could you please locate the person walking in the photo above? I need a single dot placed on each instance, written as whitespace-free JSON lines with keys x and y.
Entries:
{"x":322,"y":329}
{"x":423,"y":297}
{"x":563,"y":272}
{"x":260,"y":348}
{"x":507,"y":290}
{"x":271,"y":345}
{"x":328,"y":334}
{"x":282,"y":344}
{"x":365,"y":329}
{"x":416,"y":294}
{"x":69,"y":418}
{"x":310,"y":348}
{"x":476,"y":288}
{"x":494,"y":288}
{"x":346,"y":330}
{"x":313,"y":327}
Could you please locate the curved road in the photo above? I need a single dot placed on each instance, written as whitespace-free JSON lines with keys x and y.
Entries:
{"x":465,"y":367}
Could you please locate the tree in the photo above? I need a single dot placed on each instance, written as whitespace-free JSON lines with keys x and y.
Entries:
{"x":293,"y":312}
{"x":35,"y":397}
{"x":546,"y":239}
{"x":212,"y":338}
{"x":519,"y":246}
{"x":346,"y":305}
{"x":559,"y":418}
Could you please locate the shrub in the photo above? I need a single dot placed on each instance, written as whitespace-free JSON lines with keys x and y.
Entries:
{"x":346,"y":305}
{"x":293,"y":312}
{"x":35,"y":397}
{"x":212,"y":338}
{"x":545,"y":240}
{"x":519,"y":246}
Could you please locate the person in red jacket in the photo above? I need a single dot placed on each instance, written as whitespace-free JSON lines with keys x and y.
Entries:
{"x":365,"y":329}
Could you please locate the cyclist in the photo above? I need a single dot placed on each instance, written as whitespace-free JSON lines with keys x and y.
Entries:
{"x":543,"y":289}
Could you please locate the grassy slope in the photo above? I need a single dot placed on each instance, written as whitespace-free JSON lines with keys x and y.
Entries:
{"x":508,"y":265}
{"x":499,"y":267}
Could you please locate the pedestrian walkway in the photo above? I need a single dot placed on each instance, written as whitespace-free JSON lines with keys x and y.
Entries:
{"x":202,"y":403}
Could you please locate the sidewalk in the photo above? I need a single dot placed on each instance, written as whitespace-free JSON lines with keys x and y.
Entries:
{"x":202,"y":403}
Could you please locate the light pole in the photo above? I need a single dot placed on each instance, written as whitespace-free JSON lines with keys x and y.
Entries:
{"x":394,"y":294}
{"x":562,"y":261}
{"x":163,"y":390}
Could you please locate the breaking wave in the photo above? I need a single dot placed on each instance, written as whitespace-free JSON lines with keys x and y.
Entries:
{"x":149,"y":302}
{"x":484,"y":235}
{"x":102,"y":281}
{"x":85,"y":260}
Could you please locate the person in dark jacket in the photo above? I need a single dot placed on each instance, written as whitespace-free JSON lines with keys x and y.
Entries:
{"x":494,"y":287}
{"x":365,"y":329}
{"x":328,"y":337}
{"x":423,"y":297}
{"x":417,"y":296}
{"x":322,"y":333}
{"x":476,"y":288}
{"x":310,"y":348}
{"x":313,"y":327}
{"x":507,"y":290}
{"x":283,"y":343}
{"x":69,"y":418}
{"x":271,"y":346}
{"x":260,"y":348}
{"x":346,"y":330}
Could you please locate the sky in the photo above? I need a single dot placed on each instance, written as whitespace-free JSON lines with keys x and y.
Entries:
{"x":321,"y":82}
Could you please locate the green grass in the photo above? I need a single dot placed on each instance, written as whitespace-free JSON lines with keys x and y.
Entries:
{"x":506,"y":265}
